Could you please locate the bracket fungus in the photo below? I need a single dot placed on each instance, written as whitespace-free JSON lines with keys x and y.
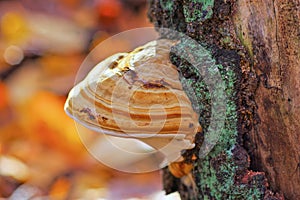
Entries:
{"x":137,"y":95}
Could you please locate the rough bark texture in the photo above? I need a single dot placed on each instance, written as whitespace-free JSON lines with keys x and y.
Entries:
{"x":271,"y":32}
{"x":255,"y":45}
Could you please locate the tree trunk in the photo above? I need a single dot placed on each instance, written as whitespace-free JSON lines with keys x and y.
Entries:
{"x":255,"y":45}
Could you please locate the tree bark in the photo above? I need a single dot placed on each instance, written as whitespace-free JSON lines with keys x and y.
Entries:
{"x":273,"y":32}
{"x":256,"y":47}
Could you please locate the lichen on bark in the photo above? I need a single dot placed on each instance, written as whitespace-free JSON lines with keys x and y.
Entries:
{"x":223,"y":173}
{"x":216,"y":172}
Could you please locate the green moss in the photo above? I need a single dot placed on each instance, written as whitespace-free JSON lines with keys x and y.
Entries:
{"x":198,"y":10}
{"x":242,"y":34}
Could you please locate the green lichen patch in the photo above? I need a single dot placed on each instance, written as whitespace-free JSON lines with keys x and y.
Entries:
{"x":198,"y":10}
{"x":166,"y":5}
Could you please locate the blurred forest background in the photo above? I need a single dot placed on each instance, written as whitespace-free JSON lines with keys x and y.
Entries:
{"x":42,"y":45}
